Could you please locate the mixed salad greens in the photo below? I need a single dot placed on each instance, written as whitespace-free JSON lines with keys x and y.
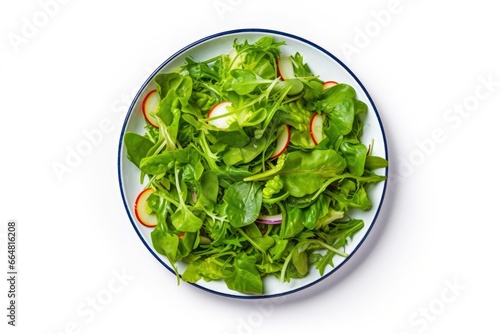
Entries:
{"x":251,"y":164}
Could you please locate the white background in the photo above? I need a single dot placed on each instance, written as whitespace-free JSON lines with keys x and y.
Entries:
{"x":428,"y":266}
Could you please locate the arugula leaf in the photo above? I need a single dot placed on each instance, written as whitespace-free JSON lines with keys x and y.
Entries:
{"x":200,"y":70}
{"x":259,"y":56}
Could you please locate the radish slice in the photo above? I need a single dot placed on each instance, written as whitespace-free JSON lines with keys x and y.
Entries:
{"x":328,"y":84}
{"x":150,"y":106}
{"x":282,"y":142}
{"x":218,"y":110}
{"x":271,"y":220}
{"x":285,"y":68}
{"x":316,"y":128}
{"x":140,"y":208}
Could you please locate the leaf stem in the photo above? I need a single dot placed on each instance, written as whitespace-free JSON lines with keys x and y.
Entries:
{"x":335,"y":250}
{"x":285,"y":266}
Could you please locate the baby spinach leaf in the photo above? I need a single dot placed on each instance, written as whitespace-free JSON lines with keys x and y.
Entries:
{"x":187,"y":242}
{"x":165,"y":161}
{"x":339,"y":103}
{"x":316,"y":211}
{"x":355,"y":156}
{"x":293,"y":224}
{"x":244,"y":200}
{"x":244,"y":276}
{"x":166,"y":243}
{"x":209,"y":269}
{"x":191,"y":275}
{"x":245,"y":154}
{"x":300,"y":261}
{"x":305,"y":172}
{"x":184,"y":220}
{"x":166,"y":82}
{"x":137,"y":147}
{"x":246,"y":81}
{"x":374,"y":162}
{"x":237,"y":138}
{"x":209,"y":186}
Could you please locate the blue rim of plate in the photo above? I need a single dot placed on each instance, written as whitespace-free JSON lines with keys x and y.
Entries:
{"x":239,"y":31}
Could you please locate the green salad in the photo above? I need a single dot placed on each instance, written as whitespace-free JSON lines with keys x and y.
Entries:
{"x":250,"y":165}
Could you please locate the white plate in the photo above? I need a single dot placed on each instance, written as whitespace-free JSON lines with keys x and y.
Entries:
{"x":322,"y":63}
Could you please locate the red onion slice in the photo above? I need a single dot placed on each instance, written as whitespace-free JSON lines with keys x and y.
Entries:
{"x":272,"y":220}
